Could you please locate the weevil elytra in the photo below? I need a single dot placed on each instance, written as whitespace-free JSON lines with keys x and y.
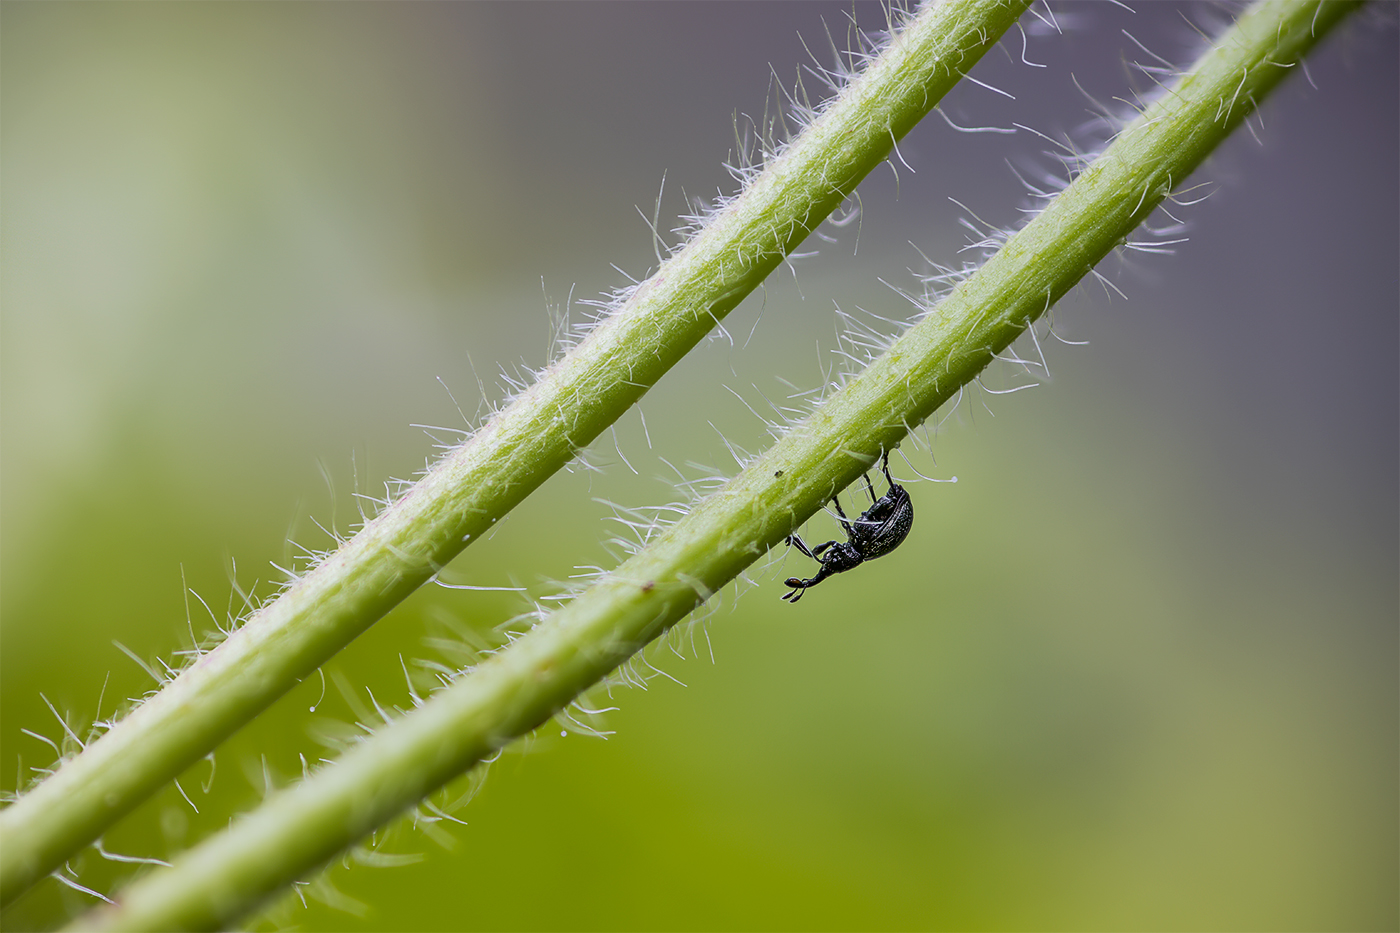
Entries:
{"x":879,"y":530}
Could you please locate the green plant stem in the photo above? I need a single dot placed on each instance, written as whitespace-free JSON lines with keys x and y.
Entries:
{"x":540,"y":432}
{"x":299,"y":829}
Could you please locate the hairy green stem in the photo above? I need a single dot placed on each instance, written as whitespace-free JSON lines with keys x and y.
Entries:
{"x":296,"y":831}
{"x":540,"y":432}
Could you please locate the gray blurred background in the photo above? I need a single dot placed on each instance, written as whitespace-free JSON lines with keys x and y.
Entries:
{"x":1137,"y":669}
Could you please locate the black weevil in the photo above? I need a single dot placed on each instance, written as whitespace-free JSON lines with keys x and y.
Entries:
{"x":879,"y":530}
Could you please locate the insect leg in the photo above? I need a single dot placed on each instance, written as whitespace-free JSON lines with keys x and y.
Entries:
{"x":845,"y":522}
{"x":801,"y":545}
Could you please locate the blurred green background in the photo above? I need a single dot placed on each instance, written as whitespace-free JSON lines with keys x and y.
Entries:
{"x":1137,"y":669}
